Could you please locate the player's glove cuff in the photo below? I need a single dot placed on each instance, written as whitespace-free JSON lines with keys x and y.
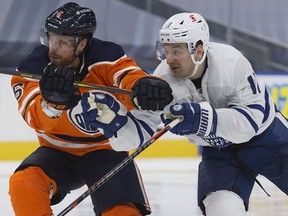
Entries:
{"x":196,"y":118}
{"x":49,"y":110}
{"x":207,"y":120}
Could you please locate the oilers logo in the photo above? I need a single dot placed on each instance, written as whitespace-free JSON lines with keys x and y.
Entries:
{"x":76,"y":118}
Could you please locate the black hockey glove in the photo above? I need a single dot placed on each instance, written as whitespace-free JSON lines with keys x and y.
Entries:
{"x":152,"y":93}
{"x":57,"y":88}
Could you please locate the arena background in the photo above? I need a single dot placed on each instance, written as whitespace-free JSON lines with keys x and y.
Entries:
{"x":258,"y":28}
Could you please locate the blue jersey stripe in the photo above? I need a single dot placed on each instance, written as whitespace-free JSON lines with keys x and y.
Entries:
{"x":257,"y":107}
{"x":138,"y":127}
{"x":266,"y":110}
{"x":267,"y":106}
{"x":248,"y":117}
{"x":146,"y":127}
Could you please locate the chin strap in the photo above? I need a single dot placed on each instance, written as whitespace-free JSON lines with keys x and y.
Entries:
{"x":197,"y":64}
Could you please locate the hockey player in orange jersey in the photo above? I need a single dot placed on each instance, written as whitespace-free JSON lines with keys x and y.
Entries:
{"x":79,"y":129}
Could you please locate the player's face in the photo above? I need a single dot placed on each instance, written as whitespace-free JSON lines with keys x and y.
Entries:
{"x":62,"y":49}
{"x":179,"y":59}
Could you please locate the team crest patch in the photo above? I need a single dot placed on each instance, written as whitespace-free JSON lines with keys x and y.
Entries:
{"x":177,"y":107}
{"x":76,"y":117}
{"x":100,"y":96}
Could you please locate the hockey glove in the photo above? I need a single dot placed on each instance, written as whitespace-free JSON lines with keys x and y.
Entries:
{"x":197,"y":118}
{"x":57,"y":88}
{"x":152,"y":93}
{"x":102,"y":111}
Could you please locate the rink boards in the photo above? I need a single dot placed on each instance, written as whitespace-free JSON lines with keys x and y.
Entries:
{"x":17,"y":140}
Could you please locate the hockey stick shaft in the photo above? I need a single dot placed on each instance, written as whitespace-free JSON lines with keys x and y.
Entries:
{"x":119,"y":167}
{"x":79,"y":84}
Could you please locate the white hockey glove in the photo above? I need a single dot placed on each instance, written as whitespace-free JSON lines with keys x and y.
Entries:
{"x":196,"y":118}
{"x":102,"y":111}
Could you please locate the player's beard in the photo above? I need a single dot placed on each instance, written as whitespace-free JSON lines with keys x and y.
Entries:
{"x":61,"y":61}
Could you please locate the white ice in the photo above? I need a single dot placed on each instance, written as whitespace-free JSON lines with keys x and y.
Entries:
{"x":171,"y":186}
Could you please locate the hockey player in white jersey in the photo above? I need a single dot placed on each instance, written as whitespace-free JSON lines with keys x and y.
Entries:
{"x":225,"y":109}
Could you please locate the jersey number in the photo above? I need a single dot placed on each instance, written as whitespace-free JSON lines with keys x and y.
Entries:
{"x":253,"y":83}
{"x":18,"y":90}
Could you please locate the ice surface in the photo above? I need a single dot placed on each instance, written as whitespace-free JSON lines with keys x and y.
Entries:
{"x":171,"y":186}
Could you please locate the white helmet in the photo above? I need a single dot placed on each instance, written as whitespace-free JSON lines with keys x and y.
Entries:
{"x":185,"y":28}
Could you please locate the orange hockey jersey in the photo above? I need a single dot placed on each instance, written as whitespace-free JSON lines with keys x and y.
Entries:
{"x":104,"y":63}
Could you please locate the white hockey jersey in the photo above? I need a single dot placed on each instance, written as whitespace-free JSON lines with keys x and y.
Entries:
{"x":243,"y":105}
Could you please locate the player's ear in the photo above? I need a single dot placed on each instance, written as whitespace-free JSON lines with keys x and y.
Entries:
{"x":199,"y":51}
{"x":81,"y":46}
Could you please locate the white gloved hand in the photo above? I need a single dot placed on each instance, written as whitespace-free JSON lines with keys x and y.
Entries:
{"x":103,"y":111}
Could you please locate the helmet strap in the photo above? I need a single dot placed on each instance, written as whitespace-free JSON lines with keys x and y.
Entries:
{"x":197,"y":64}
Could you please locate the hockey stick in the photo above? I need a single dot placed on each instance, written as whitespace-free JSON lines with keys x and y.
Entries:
{"x":119,"y":167}
{"x":79,"y":84}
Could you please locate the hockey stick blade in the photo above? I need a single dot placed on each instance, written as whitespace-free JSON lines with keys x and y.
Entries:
{"x":79,"y":84}
{"x":119,"y":167}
